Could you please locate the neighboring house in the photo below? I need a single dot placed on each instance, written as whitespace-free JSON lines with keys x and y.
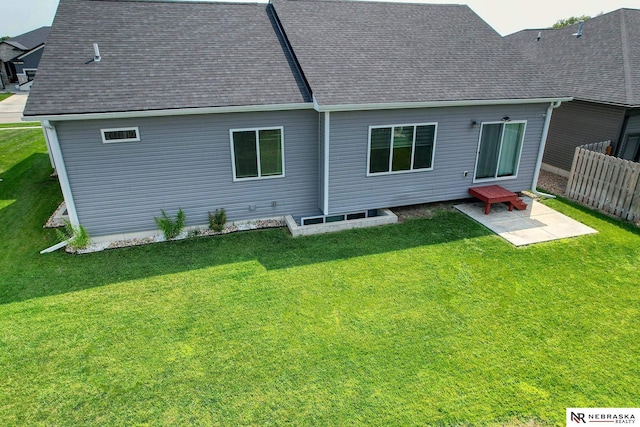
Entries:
{"x":295,"y":107}
{"x":19,"y":57}
{"x":598,"y":64}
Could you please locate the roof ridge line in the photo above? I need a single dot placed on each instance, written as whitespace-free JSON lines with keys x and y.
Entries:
{"x":625,"y":59}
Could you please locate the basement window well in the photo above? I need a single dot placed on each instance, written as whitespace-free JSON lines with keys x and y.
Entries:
{"x":324,"y":219}
{"x":330,"y":223}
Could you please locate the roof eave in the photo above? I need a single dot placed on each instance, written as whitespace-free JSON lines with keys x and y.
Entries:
{"x":612,"y":103}
{"x":169,"y":112}
{"x":29,"y":52}
{"x":434,"y":104}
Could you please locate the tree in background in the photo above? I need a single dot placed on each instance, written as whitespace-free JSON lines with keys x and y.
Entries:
{"x":3,"y":38}
{"x":561,"y":23}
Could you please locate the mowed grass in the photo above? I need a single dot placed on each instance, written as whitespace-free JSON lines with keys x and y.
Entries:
{"x":430,"y":322}
{"x":18,"y":125}
{"x":4,"y":96}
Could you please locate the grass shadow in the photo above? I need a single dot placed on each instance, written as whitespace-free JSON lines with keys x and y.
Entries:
{"x":611,"y":220}
{"x":25,"y":274}
{"x":28,"y":194}
{"x":60,"y":273}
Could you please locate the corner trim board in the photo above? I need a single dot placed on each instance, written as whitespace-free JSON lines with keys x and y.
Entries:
{"x":63,"y":178}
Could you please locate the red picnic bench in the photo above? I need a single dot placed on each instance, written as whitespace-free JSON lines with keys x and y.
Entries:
{"x":496,"y":194}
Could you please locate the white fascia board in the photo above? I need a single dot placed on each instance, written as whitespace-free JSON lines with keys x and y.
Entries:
{"x":435,"y":104}
{"x":173,"y":112}
{"x":613,"y":104}
{"x":35,"y":49}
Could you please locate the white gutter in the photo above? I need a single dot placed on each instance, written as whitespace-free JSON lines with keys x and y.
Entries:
{"x":63,"y":178}
{"x":174,"y":112}
{"x":287,"y":107}
{"x":327,"y":130}
{"x":433,"y":104}
{"x":543,"y":143}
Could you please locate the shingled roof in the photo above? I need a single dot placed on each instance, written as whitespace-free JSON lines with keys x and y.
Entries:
{"x":28,"y":41}
{"x":162,"y":55}
{"x":356,"y":52}
{"x":603,"y":65}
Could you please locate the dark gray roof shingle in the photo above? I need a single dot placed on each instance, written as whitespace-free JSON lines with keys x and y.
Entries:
{"x":162,"y":55}
{"x":355,"y":52}
{"x":603,"y":65}
{"x":28,"y":41}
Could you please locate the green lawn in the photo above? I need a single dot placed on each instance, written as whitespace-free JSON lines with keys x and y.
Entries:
{"x":4,"y":96}
{"x":431,"y":322}
{"x":21,"y":125}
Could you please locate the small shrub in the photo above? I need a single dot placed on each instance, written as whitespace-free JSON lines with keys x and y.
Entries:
{"x":217,"y":220}
{"x":170,"y":227}
{"x":77,"y":236}
{"x":194,"y":233}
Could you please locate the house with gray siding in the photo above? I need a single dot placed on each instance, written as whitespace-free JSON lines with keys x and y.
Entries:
{"x":598,"y":64}
{"x":19,"y":57}
{"x":302,"y":108}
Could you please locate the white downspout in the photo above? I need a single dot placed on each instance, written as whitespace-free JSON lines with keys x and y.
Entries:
{"x":327,"y":129}
{"x":63,"y":178}
{"x":543,"y":143}
{"x":46,"y":140}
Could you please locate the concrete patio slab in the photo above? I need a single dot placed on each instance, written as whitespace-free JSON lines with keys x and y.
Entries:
{"x":538,"y":223}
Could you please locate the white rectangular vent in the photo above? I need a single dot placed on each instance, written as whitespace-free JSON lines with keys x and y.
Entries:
{"x":120,"y":135}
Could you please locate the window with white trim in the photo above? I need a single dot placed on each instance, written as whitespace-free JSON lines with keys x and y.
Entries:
{"x":120,"y":135}
{"x":401,"y":148}
{"x":499,"y":150}
{"x":257,"y":153}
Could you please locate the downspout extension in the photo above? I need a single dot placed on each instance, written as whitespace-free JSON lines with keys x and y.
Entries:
{"x":543,"y":143}
{"x":55,"y":247}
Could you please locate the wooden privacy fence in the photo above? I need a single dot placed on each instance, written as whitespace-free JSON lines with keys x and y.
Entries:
{"x":604,"y":182}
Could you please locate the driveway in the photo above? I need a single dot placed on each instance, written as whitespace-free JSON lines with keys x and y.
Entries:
{"x":12,"y":107}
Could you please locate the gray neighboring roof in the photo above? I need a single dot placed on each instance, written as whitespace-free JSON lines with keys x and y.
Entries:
{"x":28,"y":41}
{"x":162,"y":55}
{"x":355,"y":52}
{"x":603,"y":65}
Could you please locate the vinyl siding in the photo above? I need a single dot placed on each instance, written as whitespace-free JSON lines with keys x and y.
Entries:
{"x":576,"y":123}
{"x":456,"y":146}
{"x":184,"y":162}
{"x":633,"y":125}
{"x":30,"y":61}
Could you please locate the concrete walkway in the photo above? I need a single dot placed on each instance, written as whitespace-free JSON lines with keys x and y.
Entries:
{"x":538,"y":223}
{"x":12,"y":107}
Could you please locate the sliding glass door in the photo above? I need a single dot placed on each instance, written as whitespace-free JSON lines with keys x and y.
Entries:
{"x":499,"y":150}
